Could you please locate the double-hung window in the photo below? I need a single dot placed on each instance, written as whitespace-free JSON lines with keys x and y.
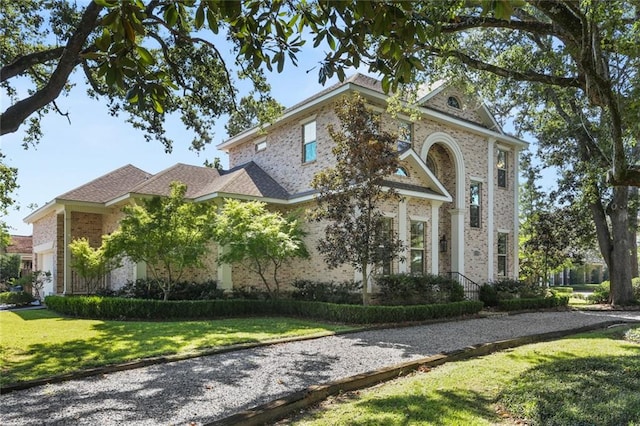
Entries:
{"x":309,"y":142}
{"x":417,"y":247}
{"x":387,"y":233}
{"x":475,"y":201}
{"x":501,"y":164}
{"x":502,"y":254}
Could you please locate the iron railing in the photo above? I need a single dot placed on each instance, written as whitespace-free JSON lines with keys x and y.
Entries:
{"x":80,"y":286}
{"x":471,"y":288}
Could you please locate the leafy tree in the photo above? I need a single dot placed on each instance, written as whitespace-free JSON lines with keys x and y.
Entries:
{"x":261,"y":240}
{"x":351,"y":193}
{"x":9,"y":267}
{"x":169,"y":234}
{"x":91,"y":264}
{"x":148,"y":59}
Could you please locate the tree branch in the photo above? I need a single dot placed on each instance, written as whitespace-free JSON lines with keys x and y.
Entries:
{"x":25,"y":62}
{"x":461,"y":23}
{"x":532,"y":76}
{"x":14,"y":116}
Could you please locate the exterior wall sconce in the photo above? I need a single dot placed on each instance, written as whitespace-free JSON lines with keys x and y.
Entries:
{"x":443,"y":244}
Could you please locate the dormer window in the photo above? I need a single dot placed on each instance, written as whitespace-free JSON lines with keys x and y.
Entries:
{"x":453,"y":102}
{"x":401,"y":171}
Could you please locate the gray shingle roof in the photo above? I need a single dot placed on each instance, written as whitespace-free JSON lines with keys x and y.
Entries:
{"x":109,"y":186}
{"x":195,"y":177}
{"x":246,"y":179}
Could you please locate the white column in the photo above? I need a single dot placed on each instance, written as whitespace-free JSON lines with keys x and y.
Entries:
{"x":491,"y":154}
{"x":516,"y":211}
{"x":66,"y":274}
{"x":457,"y":240}
{"x":402,"y":235}
{"x":435,"y":237}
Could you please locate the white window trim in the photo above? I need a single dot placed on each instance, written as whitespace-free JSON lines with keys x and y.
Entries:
{"x":307,"y":119}
{"x":416,"y":218}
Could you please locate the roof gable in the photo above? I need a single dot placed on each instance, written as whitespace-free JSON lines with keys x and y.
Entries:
{"x":194,"y":177}
{"x":248,"y":179}
{"x":426,"y":177}
{"x":108,"y":186}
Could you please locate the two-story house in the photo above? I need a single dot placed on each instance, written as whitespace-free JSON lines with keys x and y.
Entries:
{"x":458,"y":181}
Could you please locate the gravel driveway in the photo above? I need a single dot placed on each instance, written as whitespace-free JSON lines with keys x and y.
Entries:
{"x":204,"y":389}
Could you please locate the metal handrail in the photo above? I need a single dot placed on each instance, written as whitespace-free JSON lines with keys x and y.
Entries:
{"x":471,"y":288}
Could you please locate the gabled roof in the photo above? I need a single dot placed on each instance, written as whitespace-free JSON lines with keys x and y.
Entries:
{"x":432,"y":184}
{"x":195,"y":177}
{"x":247,"y":179}
{"x":372,"y":88}
{"x":20,"y":244}
{"x":107,"y":187}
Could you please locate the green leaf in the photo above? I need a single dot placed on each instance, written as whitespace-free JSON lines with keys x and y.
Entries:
{"x":171,"y":15}
{"x":146,"y":57}
{"x":212,"y":21}
{"x":199,"y":21}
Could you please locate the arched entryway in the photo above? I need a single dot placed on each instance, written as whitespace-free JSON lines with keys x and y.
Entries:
{"x":442,"y":153}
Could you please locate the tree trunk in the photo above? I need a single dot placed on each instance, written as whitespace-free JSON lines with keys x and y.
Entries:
{"x":621,"y":292}
{"x":633,"y":229}
{"x":365,"y":285}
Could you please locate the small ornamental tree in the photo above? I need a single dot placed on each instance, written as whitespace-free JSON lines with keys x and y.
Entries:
{"x":90,"y":263}
{"x":169,"y":234}
{"x":9,"y":267}
{"x":261,"y":240}
{"x":351,"y":192}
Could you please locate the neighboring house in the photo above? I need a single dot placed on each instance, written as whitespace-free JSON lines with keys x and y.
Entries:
{"x":21,"y":245}
{"x":458,"y":182}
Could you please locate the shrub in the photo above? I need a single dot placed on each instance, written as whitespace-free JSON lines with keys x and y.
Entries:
{"x":488,"y":295}
{"x":18,"y":298}
{"x":148,"y":288}
{"x":405,"y":289}
{"x":121,"y":308}
{"x":533,"y":303}
{"x":347,"y":292}
{"x":635,"y":283}
{"x":493,"y":292}
{"x":600,"y":293}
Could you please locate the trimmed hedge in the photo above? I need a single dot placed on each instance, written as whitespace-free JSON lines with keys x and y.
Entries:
{"x":16,"y":298}
{"x":407,"y":289}
{"x":120,"y":308}
{"x":533,"y":303}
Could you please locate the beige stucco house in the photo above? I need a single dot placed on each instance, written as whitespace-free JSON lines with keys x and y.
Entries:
{"x":458,"y":182}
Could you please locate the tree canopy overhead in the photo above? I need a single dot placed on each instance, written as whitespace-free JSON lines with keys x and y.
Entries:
{"x":147,"y":59}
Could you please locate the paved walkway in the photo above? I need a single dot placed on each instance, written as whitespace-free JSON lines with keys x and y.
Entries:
{"x":204,"y":389}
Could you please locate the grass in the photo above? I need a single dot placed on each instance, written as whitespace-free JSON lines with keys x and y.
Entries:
{"x":592,"y":378}
{"x":39,"y":343}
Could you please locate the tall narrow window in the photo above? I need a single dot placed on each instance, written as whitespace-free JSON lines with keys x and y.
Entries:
{"x":475,"y":192}
{"x":501,"y":164}
{"x":502,"y":254}
{"x":387,"y":232}
{"x":405,"y":135}
{"x":309,"y":142}
{"x":417,"y":247}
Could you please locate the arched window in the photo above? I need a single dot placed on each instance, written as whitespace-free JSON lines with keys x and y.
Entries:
{"x":402,"y":172}
{"x":431,"y":164}
{"x":453,"y":102}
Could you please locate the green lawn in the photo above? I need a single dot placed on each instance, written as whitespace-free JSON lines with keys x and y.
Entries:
{"x":40,"y":343}
{"x":589,"y":379}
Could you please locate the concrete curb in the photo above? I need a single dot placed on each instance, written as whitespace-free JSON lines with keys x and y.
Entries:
{"x":281,"y":408}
